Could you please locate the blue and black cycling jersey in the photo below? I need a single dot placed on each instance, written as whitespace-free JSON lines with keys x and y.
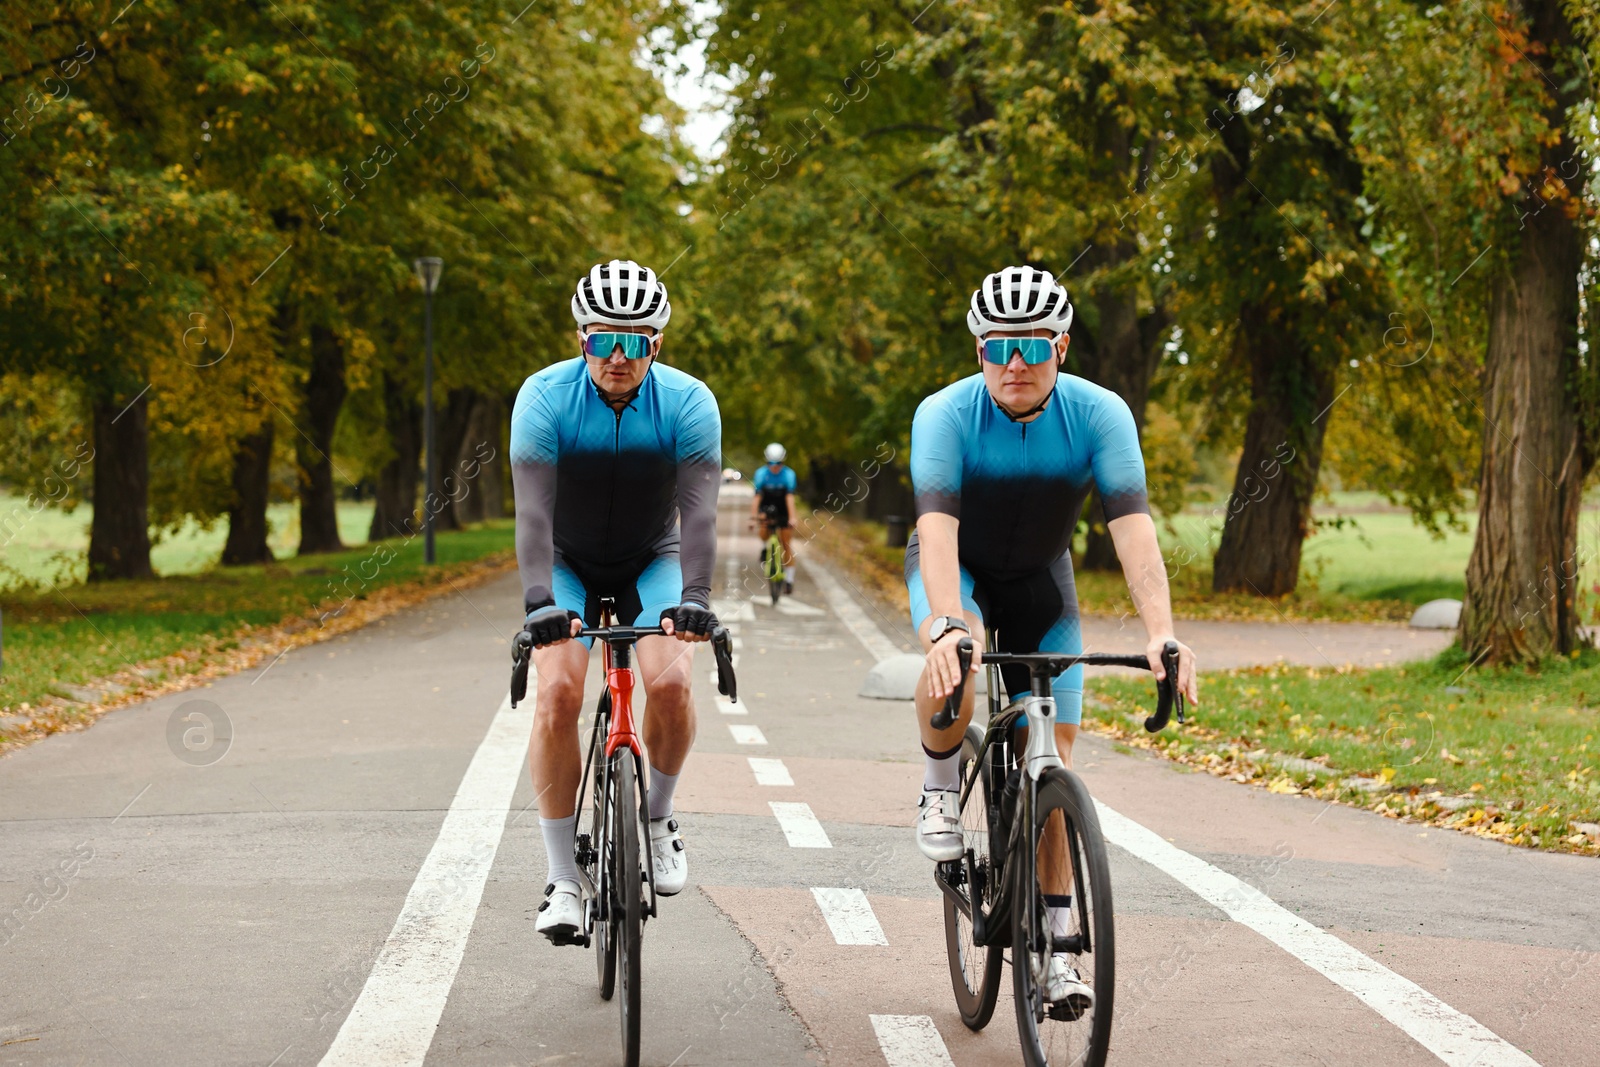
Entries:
{"x":601,"y":492}
{"x":1017,"y":489}
{"x":774,"y":488}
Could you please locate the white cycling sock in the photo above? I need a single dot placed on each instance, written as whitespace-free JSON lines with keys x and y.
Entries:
{"x":662,"y":786}
{"x":788,"y":574}
{"x":560,"y":836}
{"x":1060,"y":909}
{"x":941,"y":772}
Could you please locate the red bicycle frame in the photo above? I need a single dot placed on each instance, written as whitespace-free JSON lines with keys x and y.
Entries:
{"x":619,"y":680}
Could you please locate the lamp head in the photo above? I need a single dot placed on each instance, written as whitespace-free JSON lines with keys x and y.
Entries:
{"x":428,"y":269}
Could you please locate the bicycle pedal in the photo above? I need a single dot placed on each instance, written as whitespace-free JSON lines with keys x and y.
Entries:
{"x":1067,"y":1011}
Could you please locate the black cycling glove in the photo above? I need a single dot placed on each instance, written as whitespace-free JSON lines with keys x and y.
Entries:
{"x":548,"y":625}
{"x":691,"y":619}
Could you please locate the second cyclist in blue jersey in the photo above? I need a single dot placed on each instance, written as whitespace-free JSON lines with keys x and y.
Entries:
{"x":616,"y":462}
{"x":1001,"y":464}
{"x":772,"y":507}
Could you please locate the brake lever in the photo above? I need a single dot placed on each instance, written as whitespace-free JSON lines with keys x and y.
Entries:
{"x":945,"y":717}
{"x":521,"y":656}
{"x":1168,"y":695}
{"x":722,"y":649}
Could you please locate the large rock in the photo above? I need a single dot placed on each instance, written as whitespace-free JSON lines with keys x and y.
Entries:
{"x":896,"y":678}
{"x":1437,"y":615}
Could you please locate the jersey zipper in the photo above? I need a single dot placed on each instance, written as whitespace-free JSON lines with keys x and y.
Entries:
{"x":616,"y":456}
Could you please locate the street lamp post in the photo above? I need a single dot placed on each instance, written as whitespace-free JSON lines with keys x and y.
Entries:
{"x":428,"y":269}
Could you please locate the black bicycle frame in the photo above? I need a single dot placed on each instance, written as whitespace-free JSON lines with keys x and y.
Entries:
{"x":988,"y":927}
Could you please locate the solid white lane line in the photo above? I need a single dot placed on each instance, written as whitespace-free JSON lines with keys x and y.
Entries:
{"x":770,"y":771}
{"x":790,"y":606}
{"x":799,"y":825}
{"x":910,"y":1041}
{"x":394,"y":1019}
{"x":727,"y":707}
{"x":850,"y":612}
{"x":745,"y":734}
{"x":849,"y":916}
{"x":1454,"y":1037}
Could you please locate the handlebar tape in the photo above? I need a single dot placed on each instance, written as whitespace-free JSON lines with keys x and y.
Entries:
{"x":945,"y":717}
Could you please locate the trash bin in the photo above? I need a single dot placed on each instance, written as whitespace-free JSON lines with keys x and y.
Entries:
{"x":897,"y":525}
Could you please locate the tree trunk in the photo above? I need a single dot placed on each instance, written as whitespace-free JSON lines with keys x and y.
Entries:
{"x":396,"y":512}
{"x":453,"y":422}
{"x":247,"y":515}
{"x":468,"y":485}
{"x":1269,"y":511}
{"x":1523,"y":571}
{"x":1123,"y":362}
{"x":325,"y":393}
{"x":119,"y":529}
{"x":1120,"y":356}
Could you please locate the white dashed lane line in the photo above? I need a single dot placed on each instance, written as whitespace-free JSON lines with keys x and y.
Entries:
{"x":849,"y":916}
{"x":910,"y":1041}
{"x":799,"y":825}
{"x":745,"y":734}
{"x":770,"y":771}
{"x":728,"y":707}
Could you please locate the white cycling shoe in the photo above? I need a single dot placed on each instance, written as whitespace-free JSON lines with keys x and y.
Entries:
{"x":1064,"y":991}
{"x":561,"y":914}
{"x":670,"y":862}
{"x":939,"y":824}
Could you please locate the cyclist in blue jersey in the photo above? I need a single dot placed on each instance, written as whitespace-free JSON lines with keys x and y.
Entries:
{"x":773,"y":505}
{"x":616,"y":462}
{"x":1001,"y":463}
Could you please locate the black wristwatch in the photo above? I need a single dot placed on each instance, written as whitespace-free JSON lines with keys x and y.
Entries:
{"x":944,"y":624}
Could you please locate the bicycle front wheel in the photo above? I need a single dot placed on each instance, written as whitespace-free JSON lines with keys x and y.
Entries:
{"x":603,"y":843}
{"x":628,"y":877}
{"x":974,"y":968}
{"x":1066,"y":855}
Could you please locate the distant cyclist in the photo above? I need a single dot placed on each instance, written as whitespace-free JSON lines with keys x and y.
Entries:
{"x":610,"y":456}
{"x":773,"y":506}
{"x":1001,"y":463}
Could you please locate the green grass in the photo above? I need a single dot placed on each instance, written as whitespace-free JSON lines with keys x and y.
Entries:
{"x":51,"y":544}
{"x":74,"y":634}
{"x":1517,"y":742}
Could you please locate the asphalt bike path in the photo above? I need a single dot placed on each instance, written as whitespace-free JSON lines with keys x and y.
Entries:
{"x":348,"y":872}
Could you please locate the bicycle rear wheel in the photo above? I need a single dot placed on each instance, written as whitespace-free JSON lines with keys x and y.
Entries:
{"x":974,"y":968}
{"x":628,"y":877}
{"x":1064,"y":848}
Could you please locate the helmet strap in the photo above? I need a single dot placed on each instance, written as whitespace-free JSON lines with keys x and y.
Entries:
{"x":626,"y":399}
{"x":1040,"y":406}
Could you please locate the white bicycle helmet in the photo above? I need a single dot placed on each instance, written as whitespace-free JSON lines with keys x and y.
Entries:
{"x":775,"y":453}
{"x":1019,"y":298}
{"x":621,"y":293}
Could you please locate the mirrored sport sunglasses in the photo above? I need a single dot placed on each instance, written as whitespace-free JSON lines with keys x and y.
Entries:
{"x":998,"y":350}
{"x":602,"y":343}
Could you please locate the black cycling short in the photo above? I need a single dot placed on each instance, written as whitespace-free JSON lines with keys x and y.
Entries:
{"x":776,"y":516}
{"x":1032,"y":612}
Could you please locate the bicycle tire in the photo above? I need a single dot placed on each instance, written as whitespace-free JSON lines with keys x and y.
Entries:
{"x":602,"y":840}
{"x":1042,"y":1031}
{"x":974,"y":968}
{"x":629,"y":880}
{"x":772,"y":559}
